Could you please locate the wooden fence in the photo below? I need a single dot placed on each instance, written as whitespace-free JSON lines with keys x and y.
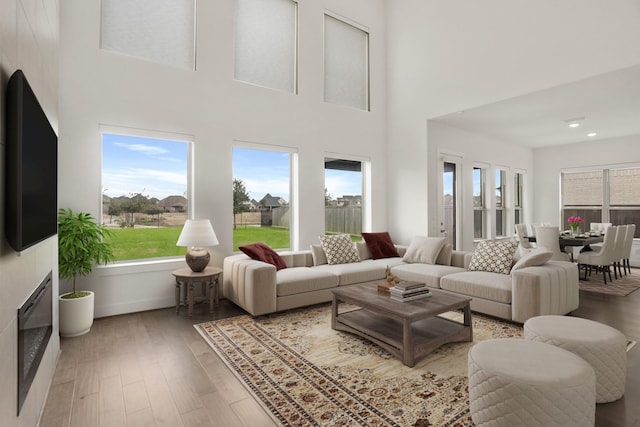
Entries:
{"x":338,"y":219}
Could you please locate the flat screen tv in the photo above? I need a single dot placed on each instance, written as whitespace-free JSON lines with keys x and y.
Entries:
{"x":31,"y":168}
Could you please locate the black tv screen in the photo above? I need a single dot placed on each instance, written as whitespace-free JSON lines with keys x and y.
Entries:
{"x":31,"y":168}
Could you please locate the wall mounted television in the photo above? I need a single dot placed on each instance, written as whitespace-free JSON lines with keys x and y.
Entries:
{"x":31,"y":168}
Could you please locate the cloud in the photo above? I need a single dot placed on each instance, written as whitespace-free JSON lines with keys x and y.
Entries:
{"x":151,"y":150}
{"x":151,"y":182}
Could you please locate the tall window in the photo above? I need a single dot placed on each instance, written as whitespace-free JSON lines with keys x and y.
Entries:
{"x":157,"y":30}
{"x":518,"y":197}
{"x":606,"y":195}
{"x":261,"y":197}
{"x":583,"y":195}
{"x":144,"y":194}
{"x":343,"y":197}
{"x":501,"y":211}
{"x":266,"y":43}
{"x":346,"y":64}
{"x":479,"y":203}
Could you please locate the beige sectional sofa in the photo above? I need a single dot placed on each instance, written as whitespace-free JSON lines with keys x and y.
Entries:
{"x":551,"y":288}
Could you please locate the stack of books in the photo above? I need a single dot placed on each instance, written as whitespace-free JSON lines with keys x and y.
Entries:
{"x":409,"y":291}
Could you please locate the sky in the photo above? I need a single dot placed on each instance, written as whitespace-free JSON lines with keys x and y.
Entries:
{"x":158,"y":168}
{"x":153,"y":167}
{"x":265,"y":171}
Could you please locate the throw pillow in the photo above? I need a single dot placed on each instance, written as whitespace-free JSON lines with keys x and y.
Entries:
{"x":380,"y":245}
{"x":261,"y":252}
{"x":534,"y":257}
{"x":493,"y":256}
{"x":444,"y":257}
{"x":318,"y":255}
{"x":363,"y":251}
{"x":424,"y":250}
{"x":339,"y":249}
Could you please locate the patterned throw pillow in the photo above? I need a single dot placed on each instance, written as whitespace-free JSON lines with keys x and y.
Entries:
{"x":493,"y":256}
{"x":339,"y":249}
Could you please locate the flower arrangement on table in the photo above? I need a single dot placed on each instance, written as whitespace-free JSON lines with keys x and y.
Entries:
{"x":574,"y":223}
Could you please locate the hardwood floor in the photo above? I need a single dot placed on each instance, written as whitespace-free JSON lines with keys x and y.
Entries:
{"x":153,"y":369}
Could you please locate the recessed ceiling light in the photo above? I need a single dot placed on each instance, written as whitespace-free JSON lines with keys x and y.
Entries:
{"x":574,"y":125}
{"x":592,"y":134}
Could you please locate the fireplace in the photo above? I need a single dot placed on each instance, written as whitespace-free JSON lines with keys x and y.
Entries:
{"x":35,"y":323}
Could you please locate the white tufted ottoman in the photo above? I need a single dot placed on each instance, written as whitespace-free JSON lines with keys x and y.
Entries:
{"x":514,"y":382}
{"x":602,"y":346}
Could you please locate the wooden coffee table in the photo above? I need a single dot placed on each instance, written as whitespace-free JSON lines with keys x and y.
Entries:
{"x":408,"y":330}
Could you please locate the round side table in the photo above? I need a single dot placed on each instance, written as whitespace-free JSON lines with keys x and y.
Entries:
{"x":209,"y":278}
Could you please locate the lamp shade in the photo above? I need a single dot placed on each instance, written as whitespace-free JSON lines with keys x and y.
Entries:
{"x":198,"y":233}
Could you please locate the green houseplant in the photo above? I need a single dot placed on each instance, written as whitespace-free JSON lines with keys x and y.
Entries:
{"x":81,"y":246}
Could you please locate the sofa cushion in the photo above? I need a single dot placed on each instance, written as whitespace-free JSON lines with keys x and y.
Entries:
{"x":339,"y":249}
{"x":380,"y":245}
{"x":444,"y":257}
{"x":356,"y":272}
{"x":261,"y":252}
{"x":304,"y":279}
{"x":362,"y":250}
{"x":424,"y":249}
{"x":493,"y":256}
{"x":481,"y":284}
{"x":426,"y":273}
{"x":534,"y":257}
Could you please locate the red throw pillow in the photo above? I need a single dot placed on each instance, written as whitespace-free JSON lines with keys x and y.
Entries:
{"x":261,"y":252}
{"x":380,"y":245}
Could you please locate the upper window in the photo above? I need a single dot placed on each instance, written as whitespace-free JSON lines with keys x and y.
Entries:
{"x":157,"y":30}
{"x":343,"y":211}
{"x":144,"y":194}
{"x":346,"y":64}
{"x":261,"y":197}
{"x":265,"y":43}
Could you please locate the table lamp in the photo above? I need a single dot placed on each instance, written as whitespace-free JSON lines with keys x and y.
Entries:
{"x":195,"y":234}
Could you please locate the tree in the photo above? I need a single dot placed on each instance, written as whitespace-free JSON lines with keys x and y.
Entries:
{"x":240,"y":196}
{"x":327,"y":197}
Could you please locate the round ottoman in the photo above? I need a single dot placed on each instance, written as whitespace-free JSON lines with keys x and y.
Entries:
{"x":514,"y":382}
{"x":602,"y":346}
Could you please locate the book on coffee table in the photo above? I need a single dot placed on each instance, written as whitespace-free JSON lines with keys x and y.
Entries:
{"x":411,"y":297}
{"x":407,"y":285}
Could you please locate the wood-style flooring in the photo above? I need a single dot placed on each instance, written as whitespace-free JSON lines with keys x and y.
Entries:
{"x":153,"y":369}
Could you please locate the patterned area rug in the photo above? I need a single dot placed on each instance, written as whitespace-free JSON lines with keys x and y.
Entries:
{"x":618,"y":287}
{"x":304,"y":373}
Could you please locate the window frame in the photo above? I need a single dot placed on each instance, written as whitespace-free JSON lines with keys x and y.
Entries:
{"x":483,"y":200}
{"x":364,"y":185}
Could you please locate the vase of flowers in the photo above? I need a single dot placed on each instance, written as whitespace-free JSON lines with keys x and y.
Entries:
{"x":575,"y":222}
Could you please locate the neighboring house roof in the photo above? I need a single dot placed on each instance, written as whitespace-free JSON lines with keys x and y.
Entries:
{"x":270,"y":201}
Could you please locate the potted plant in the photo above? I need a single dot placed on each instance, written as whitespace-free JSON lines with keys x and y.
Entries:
{"x":81,"y":246}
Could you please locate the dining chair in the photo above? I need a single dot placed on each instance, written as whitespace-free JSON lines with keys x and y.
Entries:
{"x":601,"y":259}
{"x":621,"y":236}
{"x":628,"y":244}
{"x":522,"y":235}
{"x":549,"y":237}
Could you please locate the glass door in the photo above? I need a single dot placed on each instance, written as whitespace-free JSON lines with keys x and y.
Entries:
{"x":449,"y":200}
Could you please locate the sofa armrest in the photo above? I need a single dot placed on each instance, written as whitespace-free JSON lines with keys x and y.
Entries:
{"x":551,"y":288}
{"x":250,"y":284}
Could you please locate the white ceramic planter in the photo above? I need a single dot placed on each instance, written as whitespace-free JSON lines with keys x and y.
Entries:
{"x":76,"y":315}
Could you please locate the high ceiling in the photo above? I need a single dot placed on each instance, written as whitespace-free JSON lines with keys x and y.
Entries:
{"x":608,"y":104}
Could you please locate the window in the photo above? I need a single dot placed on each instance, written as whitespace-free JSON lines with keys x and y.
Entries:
{"x":261,"y":197}
{"x":346,"y":64}
{"x":501,"y":211}
{"x":144,"y":194}
{"x":156,"y":30}
{"x":266,"y":43}
{"x":518,"y":197}
{"x":607,"y":195}
{"x":343,"y":197}
{"x":479,"y":203}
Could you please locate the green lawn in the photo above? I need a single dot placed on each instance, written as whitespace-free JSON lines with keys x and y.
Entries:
{"x":141,"y":243}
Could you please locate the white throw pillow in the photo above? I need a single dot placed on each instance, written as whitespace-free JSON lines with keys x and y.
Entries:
{"x":424,"y":250}
{"x":537,"y":256}
{"x":339,"y":249}
{"x":317,"y":253}
{"x":493,"y":256}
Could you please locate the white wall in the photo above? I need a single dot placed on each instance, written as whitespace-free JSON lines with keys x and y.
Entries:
{"x":29,"y":42}
{"x":447,"y":56}
{"x":100,"y":87}
{"x":472,"y":149}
